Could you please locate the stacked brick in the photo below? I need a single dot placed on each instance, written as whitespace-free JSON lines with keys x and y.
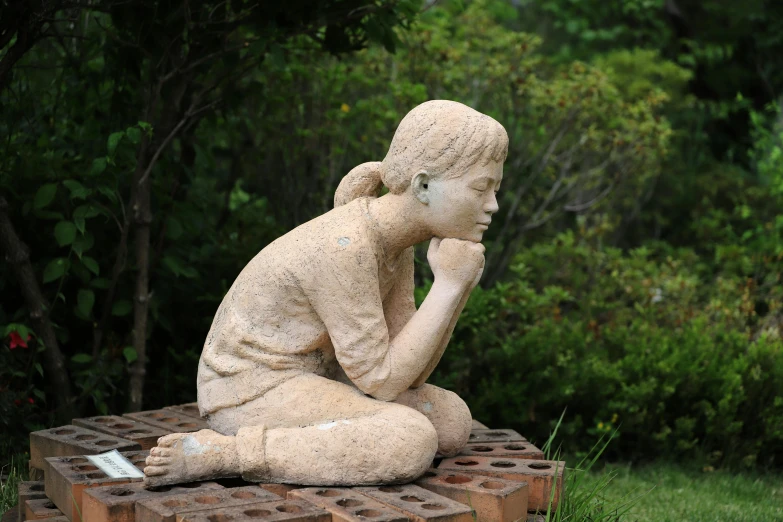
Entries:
{"x":498,"y":477}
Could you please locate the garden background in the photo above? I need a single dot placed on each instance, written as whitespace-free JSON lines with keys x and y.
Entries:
{"x":149,"y":148}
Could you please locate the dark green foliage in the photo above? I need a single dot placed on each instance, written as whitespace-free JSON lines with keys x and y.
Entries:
{"x":640,"y":342}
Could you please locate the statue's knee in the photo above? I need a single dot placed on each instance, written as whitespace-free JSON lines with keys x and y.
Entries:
{"x":453,"y":423}
{"x":411,"y":445}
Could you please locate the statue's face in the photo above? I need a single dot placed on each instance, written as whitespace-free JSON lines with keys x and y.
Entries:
{"x":462,"y":207}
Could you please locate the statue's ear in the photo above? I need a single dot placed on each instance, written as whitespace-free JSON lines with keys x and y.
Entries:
{"x":420,"y":184}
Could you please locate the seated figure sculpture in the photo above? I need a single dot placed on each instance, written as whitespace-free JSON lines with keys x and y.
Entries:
{"x":314,"y":369}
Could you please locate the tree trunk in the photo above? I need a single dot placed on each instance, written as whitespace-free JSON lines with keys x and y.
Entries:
{"x":142,"y":213}
{"x":18,"y":256}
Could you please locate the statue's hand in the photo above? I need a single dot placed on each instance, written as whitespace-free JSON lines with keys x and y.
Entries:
{"x":456,"y":261}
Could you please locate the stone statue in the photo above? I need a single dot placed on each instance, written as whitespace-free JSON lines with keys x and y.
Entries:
{"x":314,"y":369}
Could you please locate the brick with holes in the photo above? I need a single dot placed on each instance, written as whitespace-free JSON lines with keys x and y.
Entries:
{"x":281,"y":490}
{"x":494,"y":499}
{"x":419,"y":504}
{"x":541,"y":475}
{"x":275,"y":511}
{"x":71,"y":440}
{"x":29,"y":490}
{"x":171,"y":508}
{"x":190,"y":409}
{"x":482,"y":436}
{"x":68,"y":477}
{"x":143,"y":434}
{"x":169,"y":420}
{"x":118,"y":503}
{"x":39,"y":509}
{"x":347,"y":505}
{"x":511,"y":450}
{"x":478,"y":425}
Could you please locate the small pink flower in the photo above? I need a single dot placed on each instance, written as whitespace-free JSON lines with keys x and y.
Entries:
{"x":16,"y":340}
{"x":30,"y":400}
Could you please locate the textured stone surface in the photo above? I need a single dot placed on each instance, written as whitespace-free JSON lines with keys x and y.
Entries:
{"x":347,"y":505}
{"x":281,"y":490}
{"x":73,"y":440}
{"x":125,"y":428}
{"x":274,"y":511}
{"x":173,"y":508}
{"x":513,"y":450}
{"x":68,"y":477}
{"x":39,"y":509}
{"x":541,"y":475}
{"x":168,"y":420}
{"x":476,"y":425}
{"x":494,"y":499}
{"x":318,"y":348}
{"x":483,"y":436}
{"x":419,"y":504}
{"x":118,"y":503}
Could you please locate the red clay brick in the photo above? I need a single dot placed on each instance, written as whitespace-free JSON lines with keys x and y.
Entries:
{"x":494,"y":499}
{"x":418,"y":504}
{"x":347,"y":505}
{"x":170,"y":509}
{"x":190,"y":409}
{"x":39,"y":509}
{"x":169,"y":420}
{"x":275,"y":511}
{"x":487,"y":435}
{"x":118,"y":503}
{"x":68,"y":477}
{"x":510,"y":450}
{"x":478,"y":426}
{"x":29,"y":490}
{"x":539,"y":474}
{"x":72,"y":440}
{"x":143,"y":434}
{"x":281,"y":490}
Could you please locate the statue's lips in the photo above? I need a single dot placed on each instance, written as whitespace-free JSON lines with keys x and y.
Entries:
{"x":485,"y":225}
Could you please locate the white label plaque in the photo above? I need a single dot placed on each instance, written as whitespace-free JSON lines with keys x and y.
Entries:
{"x":115,"y":465}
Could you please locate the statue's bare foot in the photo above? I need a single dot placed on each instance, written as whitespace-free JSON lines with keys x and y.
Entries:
{"x":186,"y":457}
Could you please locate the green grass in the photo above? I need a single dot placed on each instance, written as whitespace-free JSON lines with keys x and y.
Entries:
{"x":9,"y":485}
{"x":673,"y":493}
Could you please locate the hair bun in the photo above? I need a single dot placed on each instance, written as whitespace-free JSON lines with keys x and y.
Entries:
{"x":362,"y":181}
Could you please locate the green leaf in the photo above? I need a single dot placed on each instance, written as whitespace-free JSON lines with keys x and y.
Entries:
{"x":85,"y":300}
{"x":146,"y":127}
{"x":55,"y":269}
{"x":40,"y":394}
{"x":39,"y":369}
{"x":45,"y":195}
{"x":121,"y":308}
{"x":81,"y":358}
{"x":134,"y":134}
{"x":114,"y":140}
{"x":99,"y":282}
{"x":173,"y":228}
{"x":98,"y":166}
{"x":91,"y":265}
{"x":65,"y":233}
{"x":130,"y":354}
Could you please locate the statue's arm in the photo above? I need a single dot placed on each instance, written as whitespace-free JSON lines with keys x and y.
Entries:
{"x":421,"y":379}
{"x":400,"y":306}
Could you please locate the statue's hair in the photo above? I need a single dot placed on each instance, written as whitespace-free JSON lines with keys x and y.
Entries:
{"x":443,"y":137}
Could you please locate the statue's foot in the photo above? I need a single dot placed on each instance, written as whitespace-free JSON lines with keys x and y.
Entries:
{"x":186,"y":457}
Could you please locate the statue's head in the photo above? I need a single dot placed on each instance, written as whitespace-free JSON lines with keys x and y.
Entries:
{"x":448,"y":157}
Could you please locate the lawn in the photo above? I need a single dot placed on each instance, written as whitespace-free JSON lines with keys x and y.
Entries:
{"x":671,"y":493}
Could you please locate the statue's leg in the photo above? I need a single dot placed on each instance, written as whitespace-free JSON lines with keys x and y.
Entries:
{"x":445,"y":410}
{"x":309,"y":430}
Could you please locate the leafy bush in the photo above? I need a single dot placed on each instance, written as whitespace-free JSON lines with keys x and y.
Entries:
{"x":640,"y":341}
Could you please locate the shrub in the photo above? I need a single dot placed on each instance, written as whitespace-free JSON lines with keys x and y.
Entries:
{"x":642,"y":341}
